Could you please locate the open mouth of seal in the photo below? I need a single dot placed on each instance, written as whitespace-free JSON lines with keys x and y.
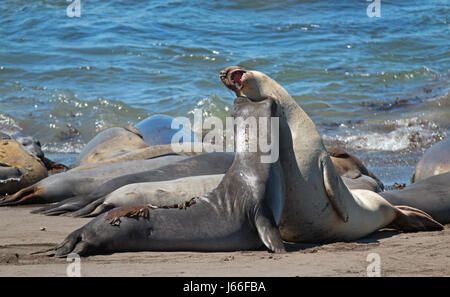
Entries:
{"x":236,"y":77}
{"x":232,"y":77}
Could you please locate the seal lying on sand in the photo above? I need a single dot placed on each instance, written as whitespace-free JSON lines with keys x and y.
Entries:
{"x":18,"y":167}
{"x":147,"y":191}
{"x":204,"y":164}
{"x":179,"y":190}
{"x":145,"y":153}
{"x":33,"y":146}
{"x":240,"y":214}
{"x":436,"y":160}
{"x":431,"y":195}
{"x":159,"y":193}
{"x":30,"y":144}
{"x":319,"y":207}
{"x":109,"y":144}
{"x":72,"y":183}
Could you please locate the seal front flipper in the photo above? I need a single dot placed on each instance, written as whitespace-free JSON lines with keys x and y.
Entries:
{"x":333,"y":186}
{"x":409,"y":219}
{"x":268,"y":230}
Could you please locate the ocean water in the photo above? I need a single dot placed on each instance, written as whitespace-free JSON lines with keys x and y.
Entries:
{"x":379,"y":87}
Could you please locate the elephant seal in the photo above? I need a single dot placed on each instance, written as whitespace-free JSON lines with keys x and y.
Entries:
{"x":179,"y":190}
{"x":73,"y":183}
{"x":30,"y":144}
{"x":203,"y":164}
{"x":319,"y":207}
{"x":436,"y":160}
{"x":362,"y":182}
{"x":347,"y":165}
{"x":18,"y":167}
{"x":148,"y":152}
{"x":240,"y":214}
{"x":109,"y":144}
{"x":159,"y":193}
{"x":431,"y":195}
{"x":33,"y":146}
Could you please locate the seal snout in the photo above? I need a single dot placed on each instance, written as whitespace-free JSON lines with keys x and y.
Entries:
{"x":232,"y":77}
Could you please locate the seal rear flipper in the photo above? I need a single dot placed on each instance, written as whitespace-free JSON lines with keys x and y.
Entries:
{"x":99,"y":210}
{"x":67,"y":205}
{"x":28,"y":195}
{"x":72,"y":244}
{"x":268,"y":230}
{"x":88,"y":209}
{"x":332,"y":184}
{"x":409,"y":219}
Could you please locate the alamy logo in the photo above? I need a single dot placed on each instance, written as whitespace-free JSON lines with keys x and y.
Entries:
{"x":374,"y":9}
{"x":74,"y":9}
{"x":374,"y":268}
{"x":74,"y":268}
{"x":242,"y":135}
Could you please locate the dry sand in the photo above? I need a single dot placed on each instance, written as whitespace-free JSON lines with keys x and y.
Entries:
{"x":407,"y":254}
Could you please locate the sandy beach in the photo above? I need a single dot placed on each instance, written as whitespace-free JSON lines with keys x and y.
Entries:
{"x":401,"y":254}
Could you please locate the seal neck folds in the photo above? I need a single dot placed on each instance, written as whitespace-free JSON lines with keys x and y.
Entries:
{"x":256,"y":134}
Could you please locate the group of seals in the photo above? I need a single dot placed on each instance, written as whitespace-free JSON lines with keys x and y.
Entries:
{"x":203,"y":164}
{"x":241,"y":213}
{"x":120,"y":146}
{"x":178,"y":190}
{"x":73,"y":183}
{"x":318,"y":207}
{"x":352,"y":171}
{"x":132,"y":143}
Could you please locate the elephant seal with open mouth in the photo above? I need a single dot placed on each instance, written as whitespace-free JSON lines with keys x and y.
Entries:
{"x":318,"y":207}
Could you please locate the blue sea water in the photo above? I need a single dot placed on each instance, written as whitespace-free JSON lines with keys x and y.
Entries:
{"x":378,"y":86}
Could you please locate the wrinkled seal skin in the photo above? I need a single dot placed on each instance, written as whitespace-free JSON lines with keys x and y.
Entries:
{"x":18,"y":167}
{"x":237,"y":215}
{"x":73,"y":183}
{"x":204,"y":164}
{"x":319,"y":207}
{"x":436,"y":160}
{"x":431,"y":195}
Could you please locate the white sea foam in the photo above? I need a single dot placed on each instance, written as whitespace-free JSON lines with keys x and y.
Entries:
{"x":403,"y":134}
{"x":63,"y":148}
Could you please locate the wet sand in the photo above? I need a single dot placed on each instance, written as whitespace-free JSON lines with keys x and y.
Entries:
{"x":401,"y":254}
